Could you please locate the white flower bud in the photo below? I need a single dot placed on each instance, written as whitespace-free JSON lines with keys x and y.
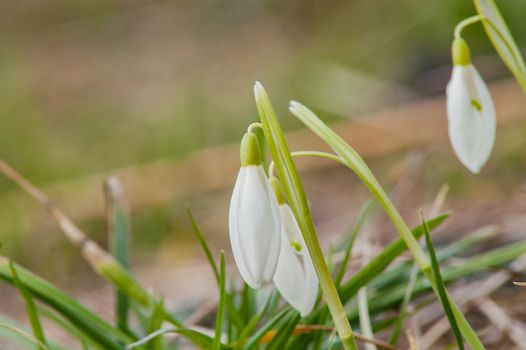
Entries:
{"x":470,"y":112}
{"x":295,"y":276}
{"x":254,"y":222}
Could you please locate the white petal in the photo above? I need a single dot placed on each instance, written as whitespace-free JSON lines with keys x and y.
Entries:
{"x":234,"y":233}
{"x":311,"y":283}
{"x":295,"y":276}
{"x":471,"y":131}
{"x":273,"y":228}
{"x":255,"y":230}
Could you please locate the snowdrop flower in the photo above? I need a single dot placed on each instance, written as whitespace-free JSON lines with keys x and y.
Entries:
{"x":254,"y":222}
{"x":470,"y":111}
{"x":295,"y":276}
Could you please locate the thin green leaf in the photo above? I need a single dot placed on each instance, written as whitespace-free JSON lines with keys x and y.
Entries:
{"x":66,"y":326}
{"x":203,"y":243}
{"x":31,"y":308}
{"x":492,"y":258}
{"x":201,"y":339}
{"x":288,"y":174}
{"x":444,"y":299}
{"x":362,"y":217}
{"x":140,"y":315}
{"x":372,"y":271}
{"x":382,"y":324}
{"x":247,"y":307}
{"x":253,"y":322}
{"x":155,"y":323}
{"x":502,"y":39}
{"x":97,"y":329}
{"x":221,"y":307}
{"x":377,"y":265}
{"x":233,"y":314}
{"x":281,"y":338}
{"x":402,"y":271}
{"x":25,"y":335}
{"x":365,"y":319}
{"x":397,"y":328}
{"x":118,"y":223}
{"x":254,"y":340}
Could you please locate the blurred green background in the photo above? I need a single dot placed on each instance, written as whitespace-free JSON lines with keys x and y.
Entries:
{"x":87,"y":87}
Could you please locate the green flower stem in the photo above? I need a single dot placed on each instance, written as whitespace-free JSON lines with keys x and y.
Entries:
{"x":519,"y":73}
{"x":466,"y":22}
{"x":293,"y":189}
{"x":254,"y":125}
{"x":355,"y":162}
{"x":318,"y":154}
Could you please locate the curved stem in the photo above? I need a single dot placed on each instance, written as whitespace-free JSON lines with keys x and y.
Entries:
{"x":466,"y":22}
{"x":481,"y":18}
{"x":318,"y":154}
{"x":254,"y":125}
{"x":293,"y":190}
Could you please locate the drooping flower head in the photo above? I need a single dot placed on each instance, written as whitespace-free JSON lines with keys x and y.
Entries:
{"x":470,"y":111}
{"x":295,"y":276}
{"x":254,"y":221}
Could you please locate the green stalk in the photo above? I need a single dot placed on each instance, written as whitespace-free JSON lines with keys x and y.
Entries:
{"x":293,"y":189}
{"x":441,"y":287}
{"x":31,"y":309}
{"x":118,"y":221}
{"x":501,"y":38}
{"x":90,"y":324}
{"x":353,"y":161}
{"x":221,"y":307}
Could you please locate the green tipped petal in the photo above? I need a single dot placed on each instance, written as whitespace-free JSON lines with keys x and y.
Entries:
{"x":250,"y":154}
{"x":278,"y":190}
{"x":460,"y":52}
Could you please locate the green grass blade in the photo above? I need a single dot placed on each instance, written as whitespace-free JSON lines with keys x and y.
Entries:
{"x":443,"y":253}
{"x":254,"y":340}
{"x":21,"y":336}
{"x":402,"y":271}
{"x":282,"y":337}
{"x":362,"y":217}
{"x":397,"y":328}
{"x":31,"y":308}
{"x":377,"y":265}
{"x":221,"y":307}
{"x":373,"y":270}
{"x":200,"y":339}
{"x":441,"y":289}
{"x":248,"y":303}
{"x":365,"y":319}
{"x":253,"y":322}
{"x":233,"y":314}
{"x":493,"y":258}
{"x":97,"y":329}
{"x":293,"y":189}
{"x":51,"y":315}
{"x":118,"y":222}
{"x":502,"y":39}
{"x":203,"y":244}
{"x":155,"y":323}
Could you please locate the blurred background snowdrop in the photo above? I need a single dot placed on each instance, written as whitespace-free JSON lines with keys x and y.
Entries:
{"x":470,"y":110}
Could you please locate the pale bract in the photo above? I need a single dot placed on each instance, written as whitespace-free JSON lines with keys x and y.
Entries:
{"x":295,"y":276}
{"x":255,"y":227}
{"x":471,"y":117}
